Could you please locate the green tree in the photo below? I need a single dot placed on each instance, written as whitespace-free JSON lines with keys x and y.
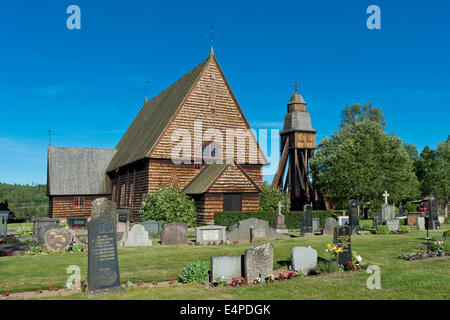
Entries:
{"x":270,"y":197}
{"x":169,"y":204}
{"x":360,"y":161}
{"x":356,"y":113}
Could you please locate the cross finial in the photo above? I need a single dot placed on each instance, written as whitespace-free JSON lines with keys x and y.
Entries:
{"x":49,"y":137}
{"x":296,"y":86}
{"x":385,"y":195}
{"x":146,"y":87}
{"x":211,"y":39}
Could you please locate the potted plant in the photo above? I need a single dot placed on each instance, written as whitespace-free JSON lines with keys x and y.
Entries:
{"x":439,"y":247}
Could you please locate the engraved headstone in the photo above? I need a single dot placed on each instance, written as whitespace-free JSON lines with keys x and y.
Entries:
{"x":387,"y":212}
{"x":4,"y":215}
{"x":228,"y":267}
{"x":103,"y":265}
{"x":42,"y":225}
{"x":258,"y":260}
{"x":329,"y":225}
{"x":153,"y":227}
{"x":420,"y":223}
{"x":412,"y":220}
{"x":353,"y":215}
{"x":307,"y":220}
{"x":433,"y":221}
{"x":210,"y":234}
{"x":240,"y":231}
{"x":58,"y":239}
{"x":278,"y":220}
{"x":77,"y":222}
{"x":393,"y":225}
{"x":316,"y":224}
{"x":344,"y":220}
{"x":400,"y":211}
{"x":174,"y":234}
{"x":257,"y":234}
{"x":137,"y":237}
{"x":343,"y":238}
{"x":303,"y":259}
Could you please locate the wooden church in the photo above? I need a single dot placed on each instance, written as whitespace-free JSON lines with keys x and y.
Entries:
{"x":143,"y":161}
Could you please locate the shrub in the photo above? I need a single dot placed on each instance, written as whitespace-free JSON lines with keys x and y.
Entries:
{"x":196,"y":272}
{"x":366,"y":224}
{"x":10,"y":239}
{"x":382,"y":230}
{"x":270,"y":197}
{"x":446,"y":233}
{"x":34,"y":249}
{"x":327,"y":267}
{"x":24,"y":230}
{"x":77,"y":247}
{"x":169,"y":204}
{"x":405,"y":229}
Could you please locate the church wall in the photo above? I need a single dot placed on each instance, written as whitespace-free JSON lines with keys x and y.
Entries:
{"x":64,"y":206}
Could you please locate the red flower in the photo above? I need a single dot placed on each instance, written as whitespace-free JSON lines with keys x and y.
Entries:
{"x":9,"y":253}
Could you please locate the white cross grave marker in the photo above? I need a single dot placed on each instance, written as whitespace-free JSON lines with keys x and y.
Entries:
{"x":385,"y":195}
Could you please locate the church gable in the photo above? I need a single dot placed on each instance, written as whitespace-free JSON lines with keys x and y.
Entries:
{"x":211,"y":101}
{"x":233,"y":179}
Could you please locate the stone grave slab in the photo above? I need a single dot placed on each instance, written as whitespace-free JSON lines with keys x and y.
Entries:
{"x":240,"y":231}
{"x":137,"y":237}
{"x":329,"y":225}
{"x":210,"y":234}
{"x":58,"y":239}
{"x":227,"y":266}
{"x":342,"y":238}
{"x":174,"y":234}
{"x":303,"y":259}
{"x":420,"y":223}
{"x":316,"y":224}
{"x":258,"y":260}
{"x":393,"y":225}
{"x":153,"y":227}
{"x":257,"y":234}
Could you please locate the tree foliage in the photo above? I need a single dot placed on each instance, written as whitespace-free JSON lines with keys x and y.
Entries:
{"x":169,"y":204}
{"x":357,"y":113}
{"x":361,"y":161}
{"x":270,"y":197}
{"x":23,"y":199}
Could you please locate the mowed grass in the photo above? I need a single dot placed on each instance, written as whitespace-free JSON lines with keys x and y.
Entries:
{"x":426,"y":279}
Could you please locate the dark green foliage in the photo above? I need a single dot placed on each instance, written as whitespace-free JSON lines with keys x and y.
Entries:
{"x":23,"y":199}
{"x":196,"y":272}
{"x":356,"y":113}
{"x":292,"y":218}
{"x":169,"y":204}
{"x":270,"y":197}
{"x":446,"y":233}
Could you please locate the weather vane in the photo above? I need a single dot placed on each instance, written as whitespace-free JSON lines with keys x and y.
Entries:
{"x":296,"y":86}
{"x":211,"y":36}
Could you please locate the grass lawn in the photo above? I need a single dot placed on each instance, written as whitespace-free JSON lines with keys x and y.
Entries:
{"x":426,"y":279}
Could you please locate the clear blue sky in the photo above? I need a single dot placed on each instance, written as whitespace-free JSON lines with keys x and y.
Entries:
{"x":88,"y":85}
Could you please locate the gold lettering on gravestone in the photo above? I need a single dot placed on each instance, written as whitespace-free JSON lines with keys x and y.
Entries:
{"x":104,"y":248}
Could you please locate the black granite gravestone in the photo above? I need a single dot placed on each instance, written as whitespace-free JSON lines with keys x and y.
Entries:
{"x":342,"y":238}
{"x":307,"y":224}
{"x":103,"y":265}
{"x":433,"y":220}
{"x":353,"y":215}
{"x":400,"y":211}
{"x":79,"y":222}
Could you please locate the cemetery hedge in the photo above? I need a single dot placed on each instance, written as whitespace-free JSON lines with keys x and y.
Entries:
{"x":292,"y":218}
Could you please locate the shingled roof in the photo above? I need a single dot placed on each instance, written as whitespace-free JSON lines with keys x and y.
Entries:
{"x":153,"y":118}
{"x":78,"y":171}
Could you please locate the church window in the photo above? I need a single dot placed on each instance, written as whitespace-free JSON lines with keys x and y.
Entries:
{"x":122,"y":195}
{"x":78,"y":202}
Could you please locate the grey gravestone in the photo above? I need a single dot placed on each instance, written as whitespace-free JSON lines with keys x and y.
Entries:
{"x":102,"y":207}
{"x":137,"y":237}
{"x":240,"y":231}
{"x":353,"y":215}
{"x":173,"y":234}
{"x":42,"y":225}
{"x":433,"y":221}
{"x":387,"y":212}
{"x":257,"y":234}
{"x":343,"y":220}
{"x":343,"y":238}
{"x":329,"y":225}
{"x":58,"y":239}
{"x":258,"y":260}
{"x":303,"y":259}
{"x":4,"y":215}
{"x":123,"y":220}
{"x":393,"y":225}
{"x":227,"y":266}
{"x":377,"y":220}
{"x":400,"y":211}
{"x":103,"y":265}
{"x":79,"y":222}
{"x":153,"y":227}
{"x":210,"y":234}
{"x":420,"y":223}
{"x":316,"y":224}
{"x":307,"y":228}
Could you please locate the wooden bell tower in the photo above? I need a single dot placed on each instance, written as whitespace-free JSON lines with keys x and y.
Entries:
{"x":298,"y":142}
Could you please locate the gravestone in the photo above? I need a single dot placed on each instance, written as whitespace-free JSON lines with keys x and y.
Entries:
{"x":377,"y":220}
{"x":210,"y":234}
{"x":4,"y":215}
{"x":343,"y":238}
{"x":174,"y":233}
{"x":344,"y":220}
{"x":433,"y":221}
{"x":58,"y":239}
{"x":329,"y":225}
{"x":316,"y":224}
{"x":227,"y":266}
{"x":303,"y":259}
{"x":393,"y":225}
{"x":353,"y":215}
{"x":400,"y":211}
{"x":153,"y":227}
{"x":307,"y":228}
{"x":278,"y":221}
{"x":137,"y":237}
{"x":240,"y":231}
{"x":42,"y":225}
{"x":103,"y":265}
{"x":420,"y":223}
{"x":257,"y":234}
{"x":123,"y":220}
{"x":411,"y":220}
{"x":258,"y":260}
{"x":79,"y":222}
{"x":387,"y":213}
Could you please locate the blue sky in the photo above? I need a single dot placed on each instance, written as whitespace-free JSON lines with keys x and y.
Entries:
{"x":88,"y":85}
